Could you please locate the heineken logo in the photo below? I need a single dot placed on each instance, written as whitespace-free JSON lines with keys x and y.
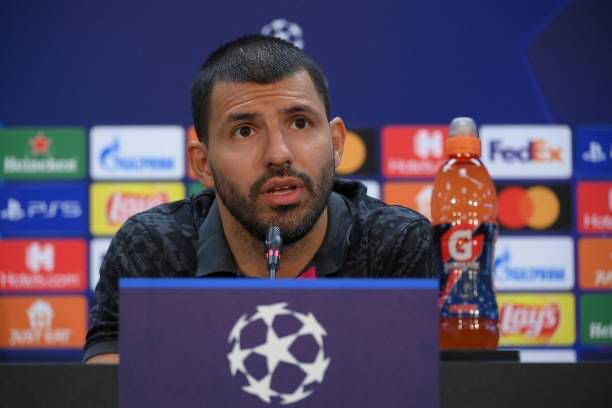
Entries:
{"x":42,"y":153}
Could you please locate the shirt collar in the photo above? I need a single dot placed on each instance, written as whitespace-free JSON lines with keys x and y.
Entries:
{"x":215,"y":258}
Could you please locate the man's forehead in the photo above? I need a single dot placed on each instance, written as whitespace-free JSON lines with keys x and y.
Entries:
{"x":227,"y":96}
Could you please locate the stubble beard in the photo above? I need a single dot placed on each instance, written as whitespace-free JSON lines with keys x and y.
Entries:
{"x":295,"y":220}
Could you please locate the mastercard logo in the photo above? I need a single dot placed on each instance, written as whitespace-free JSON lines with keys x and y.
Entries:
{"x":536,"y":207}
{"x":354,"y":155}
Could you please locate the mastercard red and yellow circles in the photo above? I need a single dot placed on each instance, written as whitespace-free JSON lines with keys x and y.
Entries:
{"x":536,"y":207}
{"x":354,"y":155}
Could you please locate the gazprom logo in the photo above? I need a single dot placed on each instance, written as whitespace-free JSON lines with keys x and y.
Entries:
{"x":505,"y":270}
{"x":111,"y":159}
{"x":534,"y":263}
{"x":536,"y":150}
{"x":137,"y":152}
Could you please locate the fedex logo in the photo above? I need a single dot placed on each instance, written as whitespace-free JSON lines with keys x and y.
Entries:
{"x":536,"y":150}
{"x":527,"y":152}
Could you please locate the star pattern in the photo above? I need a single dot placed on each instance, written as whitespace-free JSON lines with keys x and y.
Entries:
{"x":236,"y":358}
{"x":268,"y":312}
{"x":297,"y":395}
{"x":276,"y":349}
{"x":237,"y":329}
{"x":315,"y":371}
{"x":40,"y":144}
{"x":260,"y":388}
{"x":310,"y":325}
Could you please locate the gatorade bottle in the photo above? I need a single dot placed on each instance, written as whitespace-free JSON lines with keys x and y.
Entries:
{"x":464,"y":210}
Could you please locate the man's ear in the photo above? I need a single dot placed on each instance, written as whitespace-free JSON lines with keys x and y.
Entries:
{"x":338,"y":131}
{"x":198,"y":160}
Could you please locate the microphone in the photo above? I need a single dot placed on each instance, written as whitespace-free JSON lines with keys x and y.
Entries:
{"x":273,"y":246}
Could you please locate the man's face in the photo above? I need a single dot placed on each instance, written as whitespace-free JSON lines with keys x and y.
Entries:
{"x":272,"y":153}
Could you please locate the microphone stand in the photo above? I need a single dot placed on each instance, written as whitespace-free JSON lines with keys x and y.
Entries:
{"x":273,"y":245}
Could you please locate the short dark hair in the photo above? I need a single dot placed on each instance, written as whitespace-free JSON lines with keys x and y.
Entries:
{"x":255,"y":58}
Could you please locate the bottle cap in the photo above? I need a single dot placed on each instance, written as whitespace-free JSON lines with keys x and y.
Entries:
{"x":463,"y":137}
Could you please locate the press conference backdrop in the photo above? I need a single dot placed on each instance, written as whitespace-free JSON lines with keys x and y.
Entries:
{"x":95,"y":115}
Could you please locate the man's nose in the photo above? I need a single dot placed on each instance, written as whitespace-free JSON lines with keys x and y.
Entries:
{"x":278,"y":153}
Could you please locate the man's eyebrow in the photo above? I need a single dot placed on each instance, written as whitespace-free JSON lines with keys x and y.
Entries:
{"x":299,"y":109}
{"x":241,"y":116}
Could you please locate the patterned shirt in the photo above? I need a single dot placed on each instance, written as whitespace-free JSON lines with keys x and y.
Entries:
{"x":364,"y":238}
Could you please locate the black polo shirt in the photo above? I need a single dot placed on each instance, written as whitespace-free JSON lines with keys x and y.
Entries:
{"x":216,"y":260}
{"x":364,"y":238}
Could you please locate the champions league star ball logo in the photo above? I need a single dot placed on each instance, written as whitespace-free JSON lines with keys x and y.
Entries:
{"x":285,"y":30}
{"x":279,"y":353}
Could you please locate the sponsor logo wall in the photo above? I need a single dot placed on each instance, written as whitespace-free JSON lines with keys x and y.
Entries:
{"x":553,"y":258}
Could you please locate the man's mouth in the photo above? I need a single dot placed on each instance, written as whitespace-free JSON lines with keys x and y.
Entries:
{"x":282,"y":191}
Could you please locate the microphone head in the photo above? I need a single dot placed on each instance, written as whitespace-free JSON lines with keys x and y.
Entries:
{"x":273,"y":238}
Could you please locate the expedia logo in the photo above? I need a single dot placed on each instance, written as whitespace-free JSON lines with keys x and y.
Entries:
{"x":536,"y":151}
{"x":460,"y":245}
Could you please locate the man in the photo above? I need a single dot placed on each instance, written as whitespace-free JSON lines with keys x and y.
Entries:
{"x":269,"y":149}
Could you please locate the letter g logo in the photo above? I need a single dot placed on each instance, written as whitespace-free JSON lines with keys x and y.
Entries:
{"x":460,"y":245}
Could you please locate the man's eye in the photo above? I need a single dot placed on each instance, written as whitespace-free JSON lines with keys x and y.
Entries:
{"x":243,"y":131}
{"x":301,"y":123}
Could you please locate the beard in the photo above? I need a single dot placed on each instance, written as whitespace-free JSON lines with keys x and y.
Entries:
{"x":295,"y":220}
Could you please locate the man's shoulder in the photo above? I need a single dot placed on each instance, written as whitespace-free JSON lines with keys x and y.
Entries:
{"x":373,"y":213}
{"x":186,"y":214}
{"x":172,"y":225}
{"x":161,"y":240}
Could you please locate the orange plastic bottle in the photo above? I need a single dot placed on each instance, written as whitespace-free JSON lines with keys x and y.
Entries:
{"x":464,"y":211}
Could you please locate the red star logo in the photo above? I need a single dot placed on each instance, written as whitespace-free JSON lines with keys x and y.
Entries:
{"x":40,"y":144}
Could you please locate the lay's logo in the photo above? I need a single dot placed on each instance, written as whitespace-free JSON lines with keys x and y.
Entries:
{"x":536,"y":319}
{"x":113,"y":203}
{"x":460,"y":245}
{"x":529,"y":320}
{"x":527,"y":152}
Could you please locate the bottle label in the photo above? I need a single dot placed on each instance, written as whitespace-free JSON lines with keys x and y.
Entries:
{"x":464,"y":262}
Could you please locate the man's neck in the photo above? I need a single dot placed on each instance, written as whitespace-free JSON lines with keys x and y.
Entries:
{"x":249,"y":252}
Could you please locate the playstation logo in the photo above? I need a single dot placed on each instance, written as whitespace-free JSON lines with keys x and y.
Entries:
{"x":595,"y":154}
{"x":13,"y":210}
